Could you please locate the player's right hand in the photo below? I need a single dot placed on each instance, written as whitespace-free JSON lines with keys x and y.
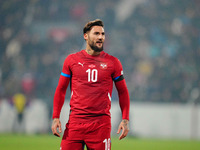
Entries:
{"x":56,"y":124}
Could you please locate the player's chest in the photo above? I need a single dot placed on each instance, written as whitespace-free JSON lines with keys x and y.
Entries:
{"x":91,"y":71}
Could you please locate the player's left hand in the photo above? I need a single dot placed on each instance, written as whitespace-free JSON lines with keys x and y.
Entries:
{"x":56,"y":124}
{"x":124,"y":126}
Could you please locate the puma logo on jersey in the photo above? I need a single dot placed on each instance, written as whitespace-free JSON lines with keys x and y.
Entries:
{"x":80,"y":64}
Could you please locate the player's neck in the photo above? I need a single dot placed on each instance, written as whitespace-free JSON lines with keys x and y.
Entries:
{"x":92,"y":52}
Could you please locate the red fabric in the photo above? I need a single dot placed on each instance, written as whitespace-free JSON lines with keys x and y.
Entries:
{"x":124,"y":99}
{"x":96,"y":135}
{"x":59,"y":96}
{"x":91,"y":87}
{"x":91,"y":84}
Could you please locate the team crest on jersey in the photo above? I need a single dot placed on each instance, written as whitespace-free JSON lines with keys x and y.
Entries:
{"x":103,"y":65}
{"x":91,"y":66}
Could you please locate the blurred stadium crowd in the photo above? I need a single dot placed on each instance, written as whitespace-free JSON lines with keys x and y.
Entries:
{"x":157,"y":41}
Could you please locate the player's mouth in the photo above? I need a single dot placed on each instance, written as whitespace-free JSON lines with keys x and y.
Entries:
{"x":99,"y":43}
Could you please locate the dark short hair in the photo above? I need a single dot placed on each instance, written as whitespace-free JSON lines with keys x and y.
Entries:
{"x":90,"y":24}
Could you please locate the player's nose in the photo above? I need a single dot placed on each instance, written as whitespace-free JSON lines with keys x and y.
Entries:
{"x":100,"y":37}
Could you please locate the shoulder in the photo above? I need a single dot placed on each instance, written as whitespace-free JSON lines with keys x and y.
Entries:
{"x":112,"y":58}
{"x":70,"y":59}
{"x":73,"y":55}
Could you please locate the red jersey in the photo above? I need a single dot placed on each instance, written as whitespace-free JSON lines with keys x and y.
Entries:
{"x":91,"y":83}
{"x":91,"y":87}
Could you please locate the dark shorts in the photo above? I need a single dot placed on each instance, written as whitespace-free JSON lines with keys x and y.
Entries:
{"x":95,"y":136}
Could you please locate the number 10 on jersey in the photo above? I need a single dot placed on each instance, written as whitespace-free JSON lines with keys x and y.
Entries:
{"x":92,"y":75}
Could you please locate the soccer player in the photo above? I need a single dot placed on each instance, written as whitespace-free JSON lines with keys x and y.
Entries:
{"x":91,"y":73}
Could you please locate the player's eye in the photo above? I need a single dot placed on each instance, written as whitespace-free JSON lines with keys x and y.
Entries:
{"x":96,"y":33}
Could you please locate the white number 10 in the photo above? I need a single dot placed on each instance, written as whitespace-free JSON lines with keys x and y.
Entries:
{"x":92,"y":75}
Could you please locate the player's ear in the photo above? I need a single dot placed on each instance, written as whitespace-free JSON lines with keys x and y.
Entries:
{"x":85,"y":36}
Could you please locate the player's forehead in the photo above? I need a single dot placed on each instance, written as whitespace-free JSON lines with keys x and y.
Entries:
{"x":99,"y":29}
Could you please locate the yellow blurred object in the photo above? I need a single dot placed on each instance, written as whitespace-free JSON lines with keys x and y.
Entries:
{"x":19,"y":102}
{"x":145,"y":67}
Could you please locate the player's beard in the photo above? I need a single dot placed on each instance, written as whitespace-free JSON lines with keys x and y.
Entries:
{"x":94,"y":47}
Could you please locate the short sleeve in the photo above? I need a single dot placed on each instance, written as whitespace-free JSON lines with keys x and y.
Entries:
{"x":118,"y":70}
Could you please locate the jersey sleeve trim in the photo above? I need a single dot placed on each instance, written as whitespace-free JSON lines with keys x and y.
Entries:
{"x":66,"y":75}
{"x":119,"y":78}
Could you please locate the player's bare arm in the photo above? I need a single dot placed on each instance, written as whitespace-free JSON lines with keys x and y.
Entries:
{"x":56,"y":124}
{"x":124,"y":126}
